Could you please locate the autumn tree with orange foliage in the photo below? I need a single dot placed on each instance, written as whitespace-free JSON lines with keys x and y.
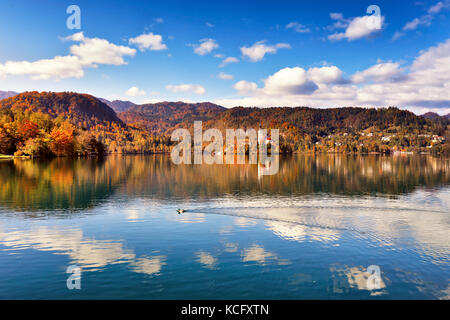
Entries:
{"x":62,"y":141}
{"x":27,"y":130}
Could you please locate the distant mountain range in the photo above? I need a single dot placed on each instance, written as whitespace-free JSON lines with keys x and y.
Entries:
{"x":161,"y":110}
{"x":118,"y":105}
{"x":434,"y":116}
{"x":7,"y":94}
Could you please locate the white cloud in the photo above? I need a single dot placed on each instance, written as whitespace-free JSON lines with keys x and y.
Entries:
{"x":439,"y":6}
{"x":330,"y":74}
{"x":225,"y":76}
{"x":297,"y":27}
{"x":245,"y":87}
{"x":359,"y":27}
{"x":205,"y":46}
{"x":134,"y":92}
{"x":434,"y":57}
{"x":293,"y":81}
{"x":228,"y":60}
{"x":159,"y":20}
{"x":194,"y":88}
{"x":381,"y":72}
{"x":88,"y":54}
{"x":289,"y":81}
{"x":424,"y":20}
{"x":210,"y":25}
{"x":94,"y":50}
{"x":340,"y":21}
{"x":153,"y":100}
{"x":336,"y":16}
{"x":412,"y":25}
{"x":257,"y":51}
{"x":149,"y":41}
{"x":421,"y":86}
{"x":57,"y":67}
{"x":397,"y":35}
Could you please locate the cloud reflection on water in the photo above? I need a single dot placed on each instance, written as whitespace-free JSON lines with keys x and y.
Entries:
{"x":88,"y":253}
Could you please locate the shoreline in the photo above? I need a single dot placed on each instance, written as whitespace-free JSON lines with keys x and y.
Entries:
{"x":7,"y":157}
{"x":12,"y":157}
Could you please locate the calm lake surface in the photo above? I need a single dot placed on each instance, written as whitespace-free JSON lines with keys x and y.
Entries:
{"x":308,"y":232}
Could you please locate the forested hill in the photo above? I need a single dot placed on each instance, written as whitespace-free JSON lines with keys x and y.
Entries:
{"x":86,"y":111}
{"x":321,"y":121}
{"x":34,"y":123}
{"x":345,"y":130}
{"x":304,"y":129}
{"x":163,"y":117}
{"x":82,"y":110}
{"x":66,"y":124}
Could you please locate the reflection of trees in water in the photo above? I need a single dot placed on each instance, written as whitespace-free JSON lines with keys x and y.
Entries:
{"x":300,"y":174}
{"x":340,"y":174}
{"x":80,"y":183}
{"x":61,"y":183}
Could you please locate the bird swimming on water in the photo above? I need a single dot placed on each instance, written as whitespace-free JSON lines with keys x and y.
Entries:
{"x":180,"y":211}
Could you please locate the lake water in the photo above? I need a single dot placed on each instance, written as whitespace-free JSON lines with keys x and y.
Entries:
{"x":308,"y":232}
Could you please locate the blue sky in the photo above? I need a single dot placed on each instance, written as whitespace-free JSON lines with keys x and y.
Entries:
{"x":317,"y":53}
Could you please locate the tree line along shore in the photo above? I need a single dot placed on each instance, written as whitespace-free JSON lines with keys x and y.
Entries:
{"x":49,"y":124}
